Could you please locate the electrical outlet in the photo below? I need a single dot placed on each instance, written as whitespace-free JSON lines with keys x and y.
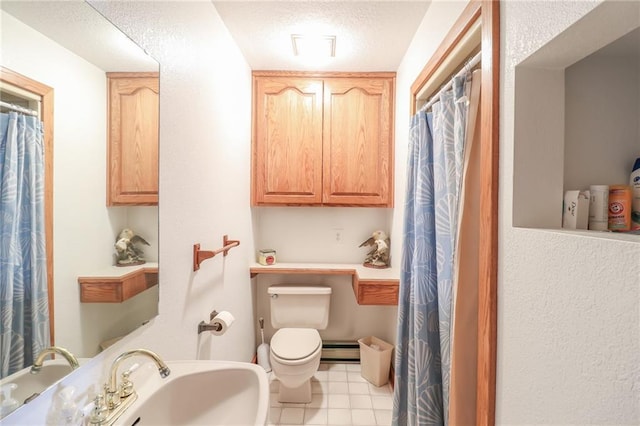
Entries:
{"x":337,"y":235}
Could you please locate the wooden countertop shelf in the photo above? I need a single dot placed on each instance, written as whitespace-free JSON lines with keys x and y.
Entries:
{"x":116,"y":284}
{"x":370,"y":286}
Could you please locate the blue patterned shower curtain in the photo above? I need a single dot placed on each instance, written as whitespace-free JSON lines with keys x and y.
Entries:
{"x":434,"y":174}
{"x":24,"y":309}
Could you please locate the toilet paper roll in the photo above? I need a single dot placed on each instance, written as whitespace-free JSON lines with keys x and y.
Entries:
{"x":223,"y":320}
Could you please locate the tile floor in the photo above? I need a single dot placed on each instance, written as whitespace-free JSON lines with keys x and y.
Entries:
{"x":341,"y":396}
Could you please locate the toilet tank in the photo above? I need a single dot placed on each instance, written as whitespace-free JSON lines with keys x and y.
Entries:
{"x":299,"y":306}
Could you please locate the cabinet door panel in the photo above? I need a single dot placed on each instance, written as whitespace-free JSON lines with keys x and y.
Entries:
{"x":287,"y":141}
{"x":133,"y":141}
{"x":357,"y":141}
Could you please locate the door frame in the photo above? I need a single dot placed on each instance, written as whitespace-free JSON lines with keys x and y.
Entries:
{"x":488,"y":12}
{"x":46,"y":98}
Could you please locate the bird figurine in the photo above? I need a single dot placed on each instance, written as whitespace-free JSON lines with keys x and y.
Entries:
{"x":127,"y":252}
{"x":378,"y":257}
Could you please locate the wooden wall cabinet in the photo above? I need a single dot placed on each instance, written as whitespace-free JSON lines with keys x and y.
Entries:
{"x":132,"y":145}
{"x":323,"y":139}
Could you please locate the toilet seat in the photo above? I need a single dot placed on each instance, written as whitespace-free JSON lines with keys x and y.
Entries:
{"x":292,"y":345}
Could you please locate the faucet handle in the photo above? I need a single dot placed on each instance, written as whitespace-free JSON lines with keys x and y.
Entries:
{"x":126,"y":387}
{"x":99,"y":412}
{"x":112,"y":398}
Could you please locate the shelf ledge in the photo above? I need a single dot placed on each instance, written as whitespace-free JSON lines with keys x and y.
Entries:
{"x":117,"y":284}
{"x":371,"y":286}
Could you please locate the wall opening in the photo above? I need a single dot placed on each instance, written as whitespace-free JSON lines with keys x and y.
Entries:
{"x":577,"y":103}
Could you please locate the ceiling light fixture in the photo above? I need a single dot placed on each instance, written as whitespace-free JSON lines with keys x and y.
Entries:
{"x":314,"y":45}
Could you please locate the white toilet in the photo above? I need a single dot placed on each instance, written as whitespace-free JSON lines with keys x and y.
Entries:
{"x":297,"y":312}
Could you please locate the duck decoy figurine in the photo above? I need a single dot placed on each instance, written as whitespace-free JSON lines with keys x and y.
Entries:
{"x":127,"y":252}
{"x":378,"y":257}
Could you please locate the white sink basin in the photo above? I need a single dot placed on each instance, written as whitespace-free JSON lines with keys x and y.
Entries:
{"x":29,"y":384}
{"x":199,"y":393}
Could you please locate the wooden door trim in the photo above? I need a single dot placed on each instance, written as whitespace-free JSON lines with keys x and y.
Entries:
{"x":488,"y":11}
{"x":489,"y":164}
{"x":465,"y":21}
{"x":46,"y":96}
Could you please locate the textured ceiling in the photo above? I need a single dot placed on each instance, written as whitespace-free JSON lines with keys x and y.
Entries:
{"x":370,"y":35}
{"x":79,"y":28}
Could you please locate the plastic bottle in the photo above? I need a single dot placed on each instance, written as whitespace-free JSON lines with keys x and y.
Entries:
{"x":634,"y":181}
{"x":599,"y":207}
{"x":8,"y":403}
{"x":66,"y":412}
{"x":619,"y":208}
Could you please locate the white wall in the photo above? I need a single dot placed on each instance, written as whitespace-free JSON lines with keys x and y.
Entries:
{"x":568,"y":305}
{"x":439,"y":18}
{"x":569,"y":316}
{"x":84,"y":229}
{"x":309,"y":234}
{"x":325,"y":235}
{"x":348,"y":321}
{"x":568,"y":127}
{"x":602,"y":104}
{"x":205,"y":137}
{"x":320,"y":234}
{"x":205,"y":131}
{"x":568,"y":311}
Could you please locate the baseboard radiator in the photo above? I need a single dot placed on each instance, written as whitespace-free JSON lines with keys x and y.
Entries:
{"x":340,"y":351}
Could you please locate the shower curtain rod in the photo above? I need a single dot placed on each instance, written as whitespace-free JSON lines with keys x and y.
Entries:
{"x":468,"y":66}
{"x":18,"y":108}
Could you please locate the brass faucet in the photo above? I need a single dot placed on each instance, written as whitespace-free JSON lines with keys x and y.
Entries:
{"x":118,"y":400}
{"x":37,"y":365}
{"x":113,"y":396}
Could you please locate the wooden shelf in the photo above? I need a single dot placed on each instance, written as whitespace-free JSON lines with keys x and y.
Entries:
{"x":370,"y":286}
{"x":606,"y":235}
{"x":117,"y":284}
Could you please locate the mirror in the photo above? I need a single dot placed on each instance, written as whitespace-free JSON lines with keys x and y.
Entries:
{"x":70,"y":47}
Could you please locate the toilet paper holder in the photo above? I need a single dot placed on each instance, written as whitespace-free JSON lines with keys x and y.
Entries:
{"x":203,"y":326}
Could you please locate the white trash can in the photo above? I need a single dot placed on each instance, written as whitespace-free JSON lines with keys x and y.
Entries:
{"x":375,"y":359}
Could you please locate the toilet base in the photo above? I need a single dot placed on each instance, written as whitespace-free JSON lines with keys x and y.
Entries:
{"x":298,"y":395}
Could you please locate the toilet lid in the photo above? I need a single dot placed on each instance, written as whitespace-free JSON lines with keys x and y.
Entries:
{"x":295,"y":343}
